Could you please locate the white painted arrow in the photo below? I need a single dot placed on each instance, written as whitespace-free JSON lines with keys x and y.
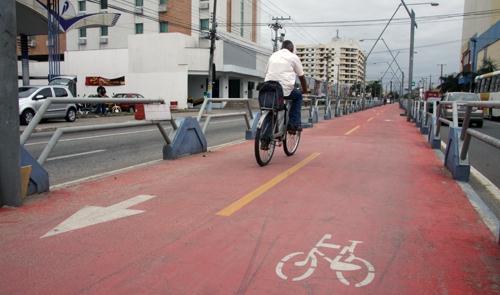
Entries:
{"x":92,"y":215}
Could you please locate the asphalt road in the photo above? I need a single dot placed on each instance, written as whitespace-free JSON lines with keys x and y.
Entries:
{"x":86,"y":154}
{"x":483,"y":157}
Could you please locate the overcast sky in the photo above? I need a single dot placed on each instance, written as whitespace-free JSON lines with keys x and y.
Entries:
{"x":397,"y":35}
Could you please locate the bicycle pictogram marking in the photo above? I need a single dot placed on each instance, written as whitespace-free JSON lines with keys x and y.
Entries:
{"x":344,"y":262}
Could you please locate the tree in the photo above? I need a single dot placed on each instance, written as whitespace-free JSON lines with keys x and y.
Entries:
{"x":356,"y":88}
{"x":450,"y":84}
{"x":488,"y":66}
{"x":375,"y":88}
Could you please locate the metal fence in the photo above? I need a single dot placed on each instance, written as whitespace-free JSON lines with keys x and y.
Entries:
{"x":429,"y":116}
{"x":64,"y":130}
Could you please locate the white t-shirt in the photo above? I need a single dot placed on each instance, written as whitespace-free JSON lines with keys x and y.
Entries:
{"x":284,"y":66}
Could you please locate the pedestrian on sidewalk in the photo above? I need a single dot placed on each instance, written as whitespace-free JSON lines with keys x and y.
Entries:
{"x":101,"y":92}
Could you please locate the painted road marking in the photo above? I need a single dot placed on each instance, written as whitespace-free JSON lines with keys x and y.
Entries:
{"x":92,"y":215}
{"x":94,"y":136}
{"x":245,"y":200}
{"x":75,"y":155}
{"x":344,"y":262}
{"x":369,"y":120}
{"x":352,"y":130}
{"x":125,"y":169}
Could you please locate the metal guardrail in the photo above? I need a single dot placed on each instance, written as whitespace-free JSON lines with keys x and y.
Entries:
{"x":64,"y":130}
{"x":49,"y":101}
{"x":419,"y":111}
{"x":206,"y":108}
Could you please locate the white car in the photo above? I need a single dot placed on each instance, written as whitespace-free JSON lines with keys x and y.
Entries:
{"x":31,"y":99}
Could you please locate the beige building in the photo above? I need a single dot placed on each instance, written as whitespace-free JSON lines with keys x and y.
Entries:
{"x":340,"y":60}
{"x":480,"y":35}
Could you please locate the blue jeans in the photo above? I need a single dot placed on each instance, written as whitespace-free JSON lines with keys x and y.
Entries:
{"x":296,"y":109}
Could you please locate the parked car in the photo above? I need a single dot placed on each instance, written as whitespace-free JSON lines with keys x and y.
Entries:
{"x":476,"y":115}
{"x":31,"y":99}
{"x":126,"y":107}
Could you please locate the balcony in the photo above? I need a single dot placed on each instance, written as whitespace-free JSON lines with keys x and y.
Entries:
{"x":204,"y":5}
{"x":162,"y":7}
{"x":103,"y":40}
{"x":82,"y":41}
{"x":138,"y":10}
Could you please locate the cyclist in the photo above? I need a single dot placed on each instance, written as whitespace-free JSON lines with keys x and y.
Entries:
{"x":284,"y":66}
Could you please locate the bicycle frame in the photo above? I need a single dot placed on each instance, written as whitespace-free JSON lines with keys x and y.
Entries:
{"x":278,"y":131}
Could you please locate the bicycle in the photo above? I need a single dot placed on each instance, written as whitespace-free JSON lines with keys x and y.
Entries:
{"x":272,"y":132}
{"x":343,"y":262}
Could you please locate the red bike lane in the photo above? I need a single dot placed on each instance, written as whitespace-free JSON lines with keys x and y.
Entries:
{"x":391,"y":219}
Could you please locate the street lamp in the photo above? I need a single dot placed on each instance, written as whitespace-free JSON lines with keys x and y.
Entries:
{"x":413,"y":25}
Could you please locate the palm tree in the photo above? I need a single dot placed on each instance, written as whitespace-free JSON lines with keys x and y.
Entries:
{"x":488,"y":66}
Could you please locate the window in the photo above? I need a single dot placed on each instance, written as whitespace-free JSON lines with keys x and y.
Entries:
{"x":104,"y":31}
{"x":163,"y":27}
{"x":139,"y":28}
{"x":163,"y":1}
{"x":104,"y":4}
{"x":46,"y":92}
{"x":204,"y":24}
{"x":139,"y":3}
{"x":82,"y":5}
{"x":82,"y":33}
{"x":60,"y":92}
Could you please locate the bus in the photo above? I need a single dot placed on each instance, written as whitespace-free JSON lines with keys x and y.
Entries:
{"x":488,"y":87}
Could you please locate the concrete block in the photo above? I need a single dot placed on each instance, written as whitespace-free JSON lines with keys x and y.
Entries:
{"x":39,"y":177}
{"x":188,"y":140}
{"x":250,"y":134}
{"x":458,"y":168}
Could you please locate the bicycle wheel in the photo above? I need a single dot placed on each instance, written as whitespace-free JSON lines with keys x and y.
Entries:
{"x":264,"y":145}
{"x":291,"y":142}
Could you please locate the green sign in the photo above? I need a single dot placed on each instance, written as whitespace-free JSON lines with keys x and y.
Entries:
{"x":413,"y":83}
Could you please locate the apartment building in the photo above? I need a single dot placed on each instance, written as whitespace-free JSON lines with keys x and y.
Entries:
{"x":339,"y":61}
{"x":160,"y":48}
{"x":480,"y":35}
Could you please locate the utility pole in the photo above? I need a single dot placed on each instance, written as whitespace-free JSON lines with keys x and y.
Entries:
{"x":275,"y":27}
{"x":412,"y":52}
{"x":212,"y":37}
{"x":430,"y":82}
{"x":391,"y":87}
{"x":10,"y":179}
{"x":441,"y":77}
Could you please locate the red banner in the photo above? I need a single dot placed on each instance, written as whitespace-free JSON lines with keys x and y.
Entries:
{"x":96,"y":81}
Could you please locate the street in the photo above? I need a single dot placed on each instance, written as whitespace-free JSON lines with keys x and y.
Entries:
{"x":86,"y":154}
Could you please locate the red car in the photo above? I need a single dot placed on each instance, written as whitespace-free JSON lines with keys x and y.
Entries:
{"x":127,"y":107}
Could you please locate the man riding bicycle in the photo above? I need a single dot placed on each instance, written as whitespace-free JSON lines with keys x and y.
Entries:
{"x":284,"y":66}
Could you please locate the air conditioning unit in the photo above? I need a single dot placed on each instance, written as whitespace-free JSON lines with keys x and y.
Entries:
{"x":204,"y":5}
{"x":162,"y":7}
{"x":82,"y":41}
{"x":103,"y":40}
{"x":138,"y":10}
{"x":32,"y":43}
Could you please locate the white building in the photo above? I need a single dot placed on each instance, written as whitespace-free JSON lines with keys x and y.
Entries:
{"x":160,"y":47}
{"x":339,"y":61}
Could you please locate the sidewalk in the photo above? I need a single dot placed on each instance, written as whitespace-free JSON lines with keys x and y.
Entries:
{"x":219,"y":224}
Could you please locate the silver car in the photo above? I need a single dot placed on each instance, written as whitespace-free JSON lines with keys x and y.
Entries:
{"x":476,"y":115}
{"x":31,"y":99}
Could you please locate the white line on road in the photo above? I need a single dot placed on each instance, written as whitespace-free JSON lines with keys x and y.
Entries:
{"x":117,"y":171}
{"x":75,"y":155}
{"x":94,"y":136}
